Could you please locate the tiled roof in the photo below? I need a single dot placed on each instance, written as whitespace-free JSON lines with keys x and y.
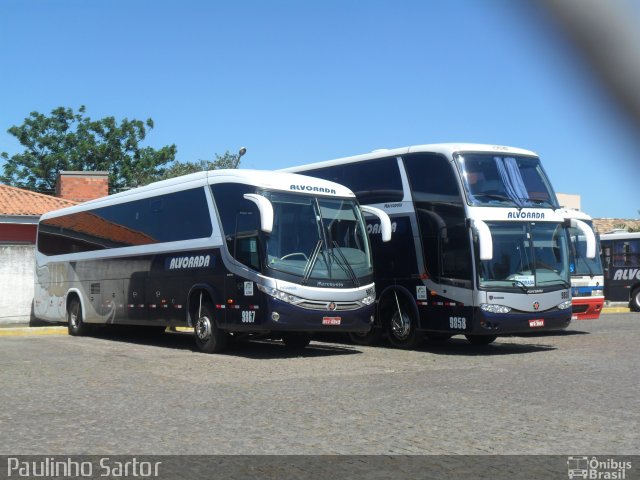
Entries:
{"x":604,"y":225}
{"x":16,"y":201}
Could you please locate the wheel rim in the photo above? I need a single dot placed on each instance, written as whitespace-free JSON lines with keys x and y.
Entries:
{"x":400,"y":325}
{"x":203,"y":328}
{"x":73,"y":317}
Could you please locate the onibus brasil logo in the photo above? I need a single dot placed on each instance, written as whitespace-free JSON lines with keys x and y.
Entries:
{"x":597,"y":469}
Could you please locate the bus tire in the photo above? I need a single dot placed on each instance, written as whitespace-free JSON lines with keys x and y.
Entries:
{"x":481,"y":339}
{"x":209,"y":338}
{"x":634,"y":303}
{"x":372,"y":337}
{"x":75,"y":324}
{"x":295,"y":340}
{"x":402,"y":324}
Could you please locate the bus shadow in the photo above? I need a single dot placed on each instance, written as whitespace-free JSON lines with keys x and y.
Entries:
{"x":557,"y":333}
{"x":255,"y":349}
{"x":274,"y":349}
{"x":456,"y":346}
{"x":461,"y":347}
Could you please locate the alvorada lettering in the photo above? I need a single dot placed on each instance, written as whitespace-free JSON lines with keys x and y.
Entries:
{"x":526,"y":215}
{"x":190,"y":262}
{"x":627,"y":274}
{"x":309,"y":188}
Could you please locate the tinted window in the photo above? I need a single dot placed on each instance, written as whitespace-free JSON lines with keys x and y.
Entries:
{"x":373,"y":181}
{"x":240,"y":221}
{"x":431,"y":177}
{"x":165,"y":218}
{"x":626,"y":253}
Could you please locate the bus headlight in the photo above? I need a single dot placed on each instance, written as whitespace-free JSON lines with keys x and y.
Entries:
{"x":369,"y":299}
{"x":597,"y":293}
{"x":491,"y":308}
{"x":565,"y":305}
{"x":279,"y":294}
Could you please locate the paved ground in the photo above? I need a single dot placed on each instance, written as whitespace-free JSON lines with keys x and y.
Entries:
{"x":572,"y":393}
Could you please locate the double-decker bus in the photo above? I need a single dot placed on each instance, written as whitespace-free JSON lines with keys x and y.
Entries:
{"x":587,"y":279}
{"x":480,"y":244}
{"x":621,"y":260}
{"x":230,"y":252}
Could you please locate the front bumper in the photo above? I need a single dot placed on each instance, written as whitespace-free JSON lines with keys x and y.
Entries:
{"x":285,"y":317}
{"x":513,"y":323}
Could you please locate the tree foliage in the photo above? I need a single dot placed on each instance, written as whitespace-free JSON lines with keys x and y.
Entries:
{"x":226,"y":160}
{"x":66,"y":140}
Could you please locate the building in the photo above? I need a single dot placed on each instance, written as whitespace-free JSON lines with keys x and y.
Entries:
{"x":20,"y":211}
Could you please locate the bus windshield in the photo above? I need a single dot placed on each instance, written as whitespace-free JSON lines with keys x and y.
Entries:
{"x":317,"y":238}
{"x":526,"y":255}
{"x":581,"y":265}
{"x":494,"y":180}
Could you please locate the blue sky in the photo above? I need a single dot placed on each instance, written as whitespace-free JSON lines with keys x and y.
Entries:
{"x":303,"y":81}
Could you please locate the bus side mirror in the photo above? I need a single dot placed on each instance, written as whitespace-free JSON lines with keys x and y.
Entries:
{"x":588,"y":235}
{"x":485,"y":240}
{"x":266,"y":211}
{"x":385,"y":221}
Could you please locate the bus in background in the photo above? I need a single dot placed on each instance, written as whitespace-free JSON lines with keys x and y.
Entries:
{"x":621,"y":260}
{"x":587,"y":280}
{"x":229,"y":253}
{"x":480,"y":244}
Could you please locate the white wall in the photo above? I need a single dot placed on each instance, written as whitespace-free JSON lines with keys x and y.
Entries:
{"x":16,"y":283}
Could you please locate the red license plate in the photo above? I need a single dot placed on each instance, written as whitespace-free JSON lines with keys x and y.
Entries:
{"x":536,"y":323}
{"x":331,"y":320}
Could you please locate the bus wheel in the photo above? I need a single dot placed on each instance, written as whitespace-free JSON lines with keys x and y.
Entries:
{"x":402,"y":326}
{"x":635,"y":300}
{"x":209,"y":338}
{"x":372,"y":337}
{"x":296,"y":341}
{"x":75,"y":324}
{"x":481,"y":339}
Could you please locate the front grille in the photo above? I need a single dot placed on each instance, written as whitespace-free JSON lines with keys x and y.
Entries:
{"x":340,"y":306}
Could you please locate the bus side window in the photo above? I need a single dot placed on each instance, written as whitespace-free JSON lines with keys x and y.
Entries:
{"x":245,"y":241}
{"x":373,"y":181}
{"x":240,"y":220}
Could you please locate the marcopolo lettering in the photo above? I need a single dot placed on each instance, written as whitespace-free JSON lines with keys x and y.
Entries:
{"x":310,"y":188}
{"x":627,"y":274}
{"x":194,"y":261}
{"x":526,"y":215}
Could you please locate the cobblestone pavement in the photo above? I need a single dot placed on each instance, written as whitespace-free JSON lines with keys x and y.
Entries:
{"x":575,"y":392}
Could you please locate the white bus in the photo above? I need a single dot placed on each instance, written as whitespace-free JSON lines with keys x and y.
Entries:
{"x":587,"y":278}
{"x":621,"y":259}
{"x":480,"y":244}
{"x":230,"y":252}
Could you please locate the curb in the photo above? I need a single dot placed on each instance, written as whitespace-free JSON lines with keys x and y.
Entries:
{"x":24,"y":331}
{"x":616,"y":310}
{"x":28,"y":331}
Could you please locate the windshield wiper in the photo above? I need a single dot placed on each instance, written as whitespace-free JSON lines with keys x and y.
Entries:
{"x":537,"y":201}
{"x":346,"y":266}
{"x":308,"y":268}
{"x":564,"y":282}
{"x":495,"y":196}
{"x":518,"y":283}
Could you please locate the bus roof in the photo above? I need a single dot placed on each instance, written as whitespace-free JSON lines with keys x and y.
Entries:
{"x":447,"y":149}
{"x":620,"y":236}
{"x":283,"y":181}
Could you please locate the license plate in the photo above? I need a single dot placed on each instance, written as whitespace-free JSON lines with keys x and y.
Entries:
{"x":331,"y":320}
{"x":536,"y":323}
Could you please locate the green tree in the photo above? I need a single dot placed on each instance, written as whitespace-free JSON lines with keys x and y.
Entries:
{"x":66,"y":140}
{"x":226,"y":160}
